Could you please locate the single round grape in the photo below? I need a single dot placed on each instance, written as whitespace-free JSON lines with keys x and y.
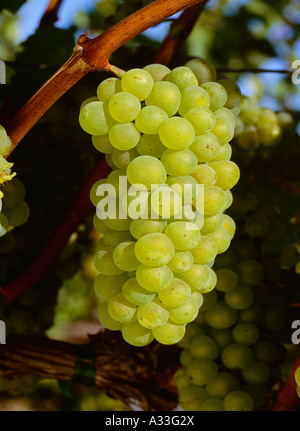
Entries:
{"x":185,"y":358}
{"x":107,"y":88}
{"x":221,"y":316}
{"x":122,"y":158}
{"x":228,"y":173}
{"x":203,"y":69}
{"x":201,"y":371}
{"x":106,"y":320}
{"x":206,"y":147}
{"x":169,"y":333}
{"x":152,"y":315}
{"x":225,"y":152}
{"x":238,"y":401}
{"x":124,"y":136}
{"x":124,"y":107}
{"x":185,"y":186}
{"x":136,"y":334}
{"x":229,"y":224}
{"x":184,"y":235}
{"x":102,"y":144}
{"x":191,"y":397}
{"x":175,"y":294}
{"x":154,"y":279}
{"x":240,"y":297}
{"x":150,"y":145}
{"x":256,"y":373}
{"x":249,"y":138}
{"x":124,"y":256}
{"x":180,"y":379}
{"x":166,"y":96}
{"x":250,"y":272}
{"x":217,"y":94}
{"x":222,"y":238}
{"x":185,"y":313}
{"x":135,"y":293}
{"x":18,"y":214}
{"x":245,"y":333}
{"x":234,"y":96}
{"x":202,"y":119}
{"x":154,"y":249}
{"x":236,"y":356}
{"x":150,"y":119}
{"x":176,"y":133}
{"x":222,"y":337}
{"x":227,"y":279}
{"x":215,"y":200}
{"x":197,"y":277}
{"x":266,"y":352}
{"x":205,"y":175}
{"x":212,"y":223}
{"x":256,"y":226}
{"x":14,"y":193}
{"x":227,"y":113}
{"x":253,"y":314}
{"x":157,"y":71}
{"x":137,"y":82}
{"x":146,"y":170}
{"x":203,"y":346}
{"x":95,"y":119}
{"x":122,"y":310}
{"x":182,"y":77}
{"x":193,"y":97}
{"x":205,"y":251}
{"x":222,"y":385}
{"x":104,"y":262}
{"x":223,"y":130}
{"x":165,"y":202}
{"x":179,"y":162}
{"x":141,"y":227}
{"x":181,"y":261}
{"x":107,"y":286}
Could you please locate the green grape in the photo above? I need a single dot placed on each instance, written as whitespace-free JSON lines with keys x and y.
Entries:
{"x":238,"y":401}
{"x":197,"y":298}
{"x":179,"y":162}
{"x":203,"y":69}
{"x":221,"y":316}
{"x":186,"y":358}
{"x":154,"y":249}
{"x":236,"y":356}
{"x":135,"y":293}
{"x":234,"y":96}
{"x":222,"y":238}
{"x":136,"y":334}
{"x":185,"y":186}
{"x":250,"y":272}
{"x":116,"y":222}
{"x":193,"y":97}
{"x":150,"y":145}
{"x":169,"y":333}
{"x":222,"y":337}
{"x":180,"y":379}
{"x":184,"y":235}
{"x":245,"y":333}
{"x":202,"y":119}
{"x":108,"y":88}
{"x":191,"y":331}
{"x":150,"y":119}
{"x":270,"y":134}
{"x":181,"y":261}
{"x":203,"y":346}
{"x":176,"y":133}
{"x":211,"y":223}
{"x":227,"y":279}
{"x":106,"y":320}
{"x":104,"y":262}
{"x":223,"y":130}
{"x":224,"y":153}
{"x":191,"y":397}
{"x":14,"y":193}
{"x":88,"y":100}
{"x":124,"y":107}
{"x":185,"y":313}
{"x":227,"y":113}
{"x":227,"y":172}
{"x":146,"y":170}
{"x":108,"y":158}
{"x":122,"y":158}
{"x":209,"y":299}
{"x":18,"y":214}
{"x":197,"y":277}
{"x":102,"y":144}
{"x":252,"y":314}
{"x":152,"y":315}
{"x":154,"y":279}
{"x":212,"y":281}
{"x":107,"y":286}
{"x":265,"y":352}
{"x":215,"y":200}
{"x":95,"y":197}
{"x":137,"y":82}
{"x":5,"y":142}
{"x":182,"y":77}
{"x":95,"y":119}
{"x":157,"y":71}
{"x":222,"y":385}
{"x":124,"y":136}
{"x":175,"y":294}
{"x":239,"y":298}
{"x":205,"y":175}
{"x":217,"y":94}
{"x":256,"y":226}
{"x":141,"y":227}
{"x":297,"y":376}
{"x":205,"y":251}
{"x":124,"y":256}
{"x":212,"y":405}
{"x":122,"y":310}
{"x":166,"y":96}
{"x":256,"y":373}
{"x":206,"y":147}
{"x":165,"y":202}
{"x":229,"y":203}
{"x":201,"y":371}
{"x":266,"y":116}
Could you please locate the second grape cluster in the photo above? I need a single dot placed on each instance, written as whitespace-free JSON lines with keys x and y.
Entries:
{"x":161,"y":130}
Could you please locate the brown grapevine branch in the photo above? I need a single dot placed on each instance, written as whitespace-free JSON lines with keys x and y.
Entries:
{"x":90,"y":55}
{"x":125,"y":372}
{"x":179,"y":32}
{"x":50,"y":16}
{"x":74,"y":216}
{"x":287,"y":398}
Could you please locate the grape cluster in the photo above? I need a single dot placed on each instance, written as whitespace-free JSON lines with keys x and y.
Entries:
{"x":258,"y":125}
{"x":232,"y":352}
{"x":161,"y":130}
